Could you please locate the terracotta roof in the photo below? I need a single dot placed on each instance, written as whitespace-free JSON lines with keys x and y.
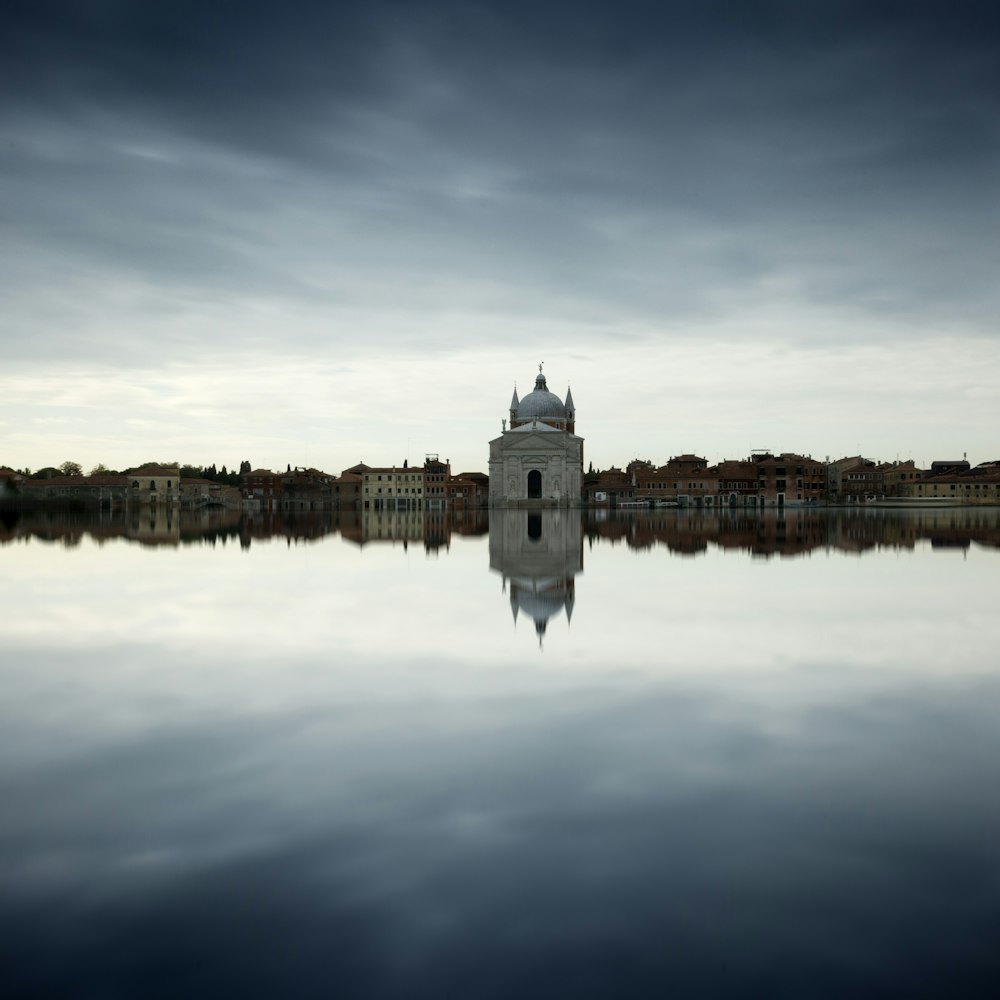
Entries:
{"x":988,"y":475}
{"x":735,"y":467}
{"x":78,"y":481}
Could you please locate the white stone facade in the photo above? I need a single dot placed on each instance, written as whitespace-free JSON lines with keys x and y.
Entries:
{"x":538,"y":460}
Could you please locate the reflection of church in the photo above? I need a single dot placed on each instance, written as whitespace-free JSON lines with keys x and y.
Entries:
{"x":538,"y":460}
{"x":538,"y":553}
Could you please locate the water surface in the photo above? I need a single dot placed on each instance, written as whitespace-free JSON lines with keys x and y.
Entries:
{"x":554,"y":755}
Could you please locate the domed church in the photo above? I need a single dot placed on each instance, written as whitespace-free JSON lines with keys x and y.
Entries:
{"x":538,"y":460}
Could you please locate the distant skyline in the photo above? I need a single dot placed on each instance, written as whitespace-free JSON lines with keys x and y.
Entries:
{"x":321,"y":233}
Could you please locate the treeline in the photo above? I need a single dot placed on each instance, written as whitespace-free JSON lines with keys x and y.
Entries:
{"x":210,"y":472}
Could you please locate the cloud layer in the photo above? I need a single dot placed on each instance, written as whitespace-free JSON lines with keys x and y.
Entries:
{"x":380,"y":182}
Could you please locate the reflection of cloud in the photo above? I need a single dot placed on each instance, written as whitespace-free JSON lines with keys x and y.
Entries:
{"x":573,"y":834}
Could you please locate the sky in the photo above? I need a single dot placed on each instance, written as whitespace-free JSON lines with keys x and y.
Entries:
{"x":313,"y":234}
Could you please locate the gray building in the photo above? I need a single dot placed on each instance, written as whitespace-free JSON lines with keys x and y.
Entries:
{"x":538,"y":459}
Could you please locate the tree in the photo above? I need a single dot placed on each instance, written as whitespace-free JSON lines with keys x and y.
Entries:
{"x":71,"y":469}
{"x":99,"y":470}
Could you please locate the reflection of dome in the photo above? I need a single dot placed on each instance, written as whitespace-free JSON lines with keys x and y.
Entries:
{"x":540,"y":403}
{"x":542,"y":600}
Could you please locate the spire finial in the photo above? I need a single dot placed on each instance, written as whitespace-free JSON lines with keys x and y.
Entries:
{"x":540,"y":363}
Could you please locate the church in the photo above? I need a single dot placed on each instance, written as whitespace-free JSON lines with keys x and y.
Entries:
{"x":538,"y":459}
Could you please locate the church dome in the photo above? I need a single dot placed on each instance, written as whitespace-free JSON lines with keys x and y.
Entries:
{"x":541,"y":403}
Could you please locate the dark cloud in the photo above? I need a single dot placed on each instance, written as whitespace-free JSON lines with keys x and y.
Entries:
{"x":617,"y":164}
{"x":561,"y":845}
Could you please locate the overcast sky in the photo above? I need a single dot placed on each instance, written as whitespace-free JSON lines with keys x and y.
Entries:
{"x":318,"y":233}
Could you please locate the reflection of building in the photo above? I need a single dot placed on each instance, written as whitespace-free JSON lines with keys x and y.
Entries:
{"x":792,"y":532}
{"x":538,"y":553}
{"x":538,"y":460}
{"x":402,"y":525}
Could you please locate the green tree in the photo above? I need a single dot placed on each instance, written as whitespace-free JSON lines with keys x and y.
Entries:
{"x":71,"y":469}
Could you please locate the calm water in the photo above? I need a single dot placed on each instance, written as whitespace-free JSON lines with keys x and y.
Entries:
{"x":546,"y":757}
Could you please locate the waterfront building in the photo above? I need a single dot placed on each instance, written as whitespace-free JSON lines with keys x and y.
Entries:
{"x":866,"y":479}
{"x":469,"y":489}
{"x":835,"y":472}
{"x":393,"y":487}
{"x":899,"y":475}
{"x":683,"y":477}
{"x":196,"y":493}
{"x":294,"y":489}
{"x":102,"y":489}
{"x":788,"y":479}
{"x":980,"y":485}
{"x":437,"y":476}
{"x":262,"y":485}
{"x":346,"y":489}
{"x":538,"y":459}
{"x":154,"y":484}
{"x":737,"y":482}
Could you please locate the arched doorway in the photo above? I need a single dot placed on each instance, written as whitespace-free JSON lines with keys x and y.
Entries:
{"x":534,"y":485}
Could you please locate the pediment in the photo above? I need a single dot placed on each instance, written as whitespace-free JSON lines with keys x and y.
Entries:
{"x":523,"y":443}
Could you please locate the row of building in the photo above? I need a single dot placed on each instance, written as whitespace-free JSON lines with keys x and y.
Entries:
{"x":432,"y":486}
{"x":788,"y":479}
{"x":763,"y":479}
{"x":144,"y":485}
{"x":538,"y":461}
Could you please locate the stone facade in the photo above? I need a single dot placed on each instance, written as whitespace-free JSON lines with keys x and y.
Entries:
{"x":538,"y":461}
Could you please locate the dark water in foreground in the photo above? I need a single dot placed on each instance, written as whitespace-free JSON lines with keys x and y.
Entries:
{"x":403,"y":757}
